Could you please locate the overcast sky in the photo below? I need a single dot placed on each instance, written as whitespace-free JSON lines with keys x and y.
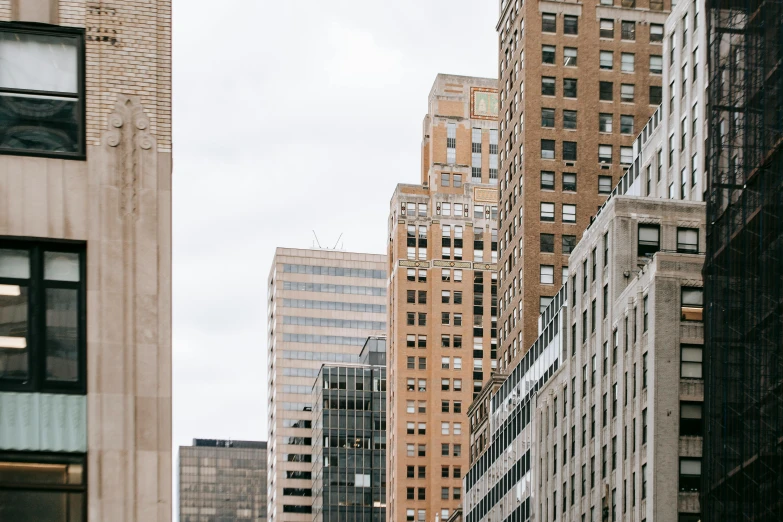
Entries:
{"x":289,"y":116}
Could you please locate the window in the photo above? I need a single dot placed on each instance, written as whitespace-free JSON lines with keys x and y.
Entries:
{"x":570,"y":24}
{"x":547,"y":211}
{"x":690,"y":361}
{"x":656,"y":32}
{"x":547,"y":243}
{"x":656,"y":64}
{"x":626,"y":93}
{"x":644,"y":481}
{"x":458,"y":406}
{"x":604,"y":154}
{"x":548,"y":54}
{"x":569,"y":119}
{"x":543,"y":302}
{"x":692,"y":303}
{"x":548,"y":149}
{"x":548,"y":23}
{"x":606,"y":28}
{"x":627,"y":61}
{"x":626,"y":155}
{"x":44,"y":488}
{"x":645,"y":322}
{"x":569,"y":56}
{"x":569,"y":213}
{"x":569,"y":182}
{"x":547,"y":117}
{"x":569,"y":242}
{"x":604,"y":184}
{"x":547,"y":274}
{"x":457,"y":180}
{"x":547,"y":86}
{"x":605,"y":60}
{"x":626,"y":124}
{"x":605,"y":91}
{"x":569,"y":150}
{"x":43,"y":97}
{"x":649,"y":242}
{"x":604,"y":122}
{"x":656,"y":94}
{"x":444,"y":180}
{"x":691,"y":424}
{"x":628,"y":30}
{"x":644,"y":426}
{"x":688,"y":240}
{"x":42,"y":347}
{"x":451,"y":143}
{"x":569,"y":87}
{"x":690,"y":475}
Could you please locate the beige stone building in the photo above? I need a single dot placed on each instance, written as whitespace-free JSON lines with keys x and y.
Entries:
{"x":85,"y":260}
{"x":613,"y":418}
{"x":577,"y":83}
{"x":322,"y":307}
{"x":442,"y":299}
{"x":618,"y":430}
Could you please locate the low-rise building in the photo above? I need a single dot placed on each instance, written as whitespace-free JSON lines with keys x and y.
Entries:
{"x":222,"y":480}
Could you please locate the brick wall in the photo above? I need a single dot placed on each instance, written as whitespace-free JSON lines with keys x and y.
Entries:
{"x":128,"y":51}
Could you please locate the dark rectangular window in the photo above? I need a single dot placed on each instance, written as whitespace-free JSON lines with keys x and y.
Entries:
{"x":548,"y":54}
{"x":547,"y":117}
{"x":43,"y":488}
{"x":570,"y":24}
{"x":569,"y":87}
{"x":569,"y":150}
{"x":604,"y":184}
{"x":691,"y":424}
{"x":42,"y":87}
{"x":569,"y":243}
{"x":548,"y":86}
{"x":547,"y":243}
{"x":628,"y":30}
{"x":569,"y":119}
{"x":42,"y":317}
{"x":605,"y":91}
{"x":548,"y":23}
{"x":656,"y":94}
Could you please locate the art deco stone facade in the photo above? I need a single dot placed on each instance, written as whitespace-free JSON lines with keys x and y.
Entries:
{"x":117,"y":204}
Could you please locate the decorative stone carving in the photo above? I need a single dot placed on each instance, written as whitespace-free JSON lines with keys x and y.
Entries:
{"x":128,"y":132}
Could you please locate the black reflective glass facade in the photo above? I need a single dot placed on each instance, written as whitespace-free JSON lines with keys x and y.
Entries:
{"x":349,"y":441}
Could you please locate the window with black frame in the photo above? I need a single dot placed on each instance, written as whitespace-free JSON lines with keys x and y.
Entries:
{"x":43,"y":488}
{"x":41,"y":90}
{"x":42,"y":317}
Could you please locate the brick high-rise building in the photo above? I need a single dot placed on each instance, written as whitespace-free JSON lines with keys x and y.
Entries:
{"x":442,"y":299}
{"x":577,"y":82}
{"x":323,"y":304}
{"x":85,"y":260}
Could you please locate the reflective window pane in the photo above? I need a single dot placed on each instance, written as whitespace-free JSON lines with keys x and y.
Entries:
{"x":61,"y":266}
{"x":13,"y":332}
{"x":14,"y":264}
{"x":38,"y":62}
{"x":62,"y":342}
{"x":41,"y":506}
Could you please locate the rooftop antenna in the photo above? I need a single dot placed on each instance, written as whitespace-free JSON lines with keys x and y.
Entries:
{"x":336,"y":242}
{"x":316,"y":239}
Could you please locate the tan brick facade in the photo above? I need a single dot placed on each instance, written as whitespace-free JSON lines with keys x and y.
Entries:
{"x":128,"y":51}
{"x":442,"y":342}
{"x":522,"y":37}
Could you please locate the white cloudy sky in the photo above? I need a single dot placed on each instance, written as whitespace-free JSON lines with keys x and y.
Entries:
{"x":290,"y":115}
